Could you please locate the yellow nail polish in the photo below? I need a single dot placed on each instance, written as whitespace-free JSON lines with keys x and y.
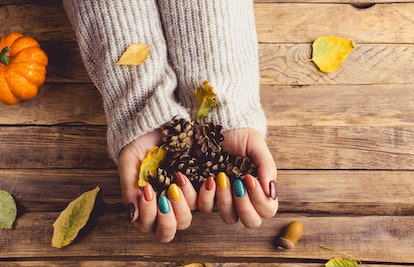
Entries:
{"x":174,"y":192}
{"x":222,"y":180}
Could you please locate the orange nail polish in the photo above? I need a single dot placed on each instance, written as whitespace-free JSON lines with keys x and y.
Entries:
{"x":250,"y":182}
{"x":181,"y":181}
{"x":209,"y":183}
{"x":174,"y":192}
{"x":148,"y":193}
{"x":222,"y":180}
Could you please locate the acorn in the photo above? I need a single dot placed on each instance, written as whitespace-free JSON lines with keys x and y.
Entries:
{"x":291,"y":235}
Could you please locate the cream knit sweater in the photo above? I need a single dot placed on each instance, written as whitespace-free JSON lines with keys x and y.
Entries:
{"x":191,"y":41}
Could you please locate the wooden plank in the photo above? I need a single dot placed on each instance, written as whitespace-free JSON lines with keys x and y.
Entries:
{"x":293,"y":147}
{"x":367,"y":64}
{"x":313,"y":105}
{"x":304,"y":22}
{"x":310,"y":191}
{"x":369,"y":238}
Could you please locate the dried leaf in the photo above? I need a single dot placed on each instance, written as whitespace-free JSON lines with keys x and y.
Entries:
{"x":150,"y":164}
{"x":340,"y":262}
{"x":328,"y":52}
{"x":73,"y":218}
{"x":134,"y":55}
{"x":8,"y":210}
{"x":206,"y":99}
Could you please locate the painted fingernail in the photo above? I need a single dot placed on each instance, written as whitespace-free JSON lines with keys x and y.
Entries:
{"x":174,"y":192}
{"x":222,"y":180}
{"x":131,"y":211}
{"x":210,"y":183}
{"x":148,"y":193}
{"x":272,"y":189}
{"x":181,"y":181}
{"x":164,"y":204}
{"x":239,"y":188}
{"x":250,"y":182}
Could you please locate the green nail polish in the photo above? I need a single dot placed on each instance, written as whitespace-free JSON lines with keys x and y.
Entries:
{"x":164,"y":204}
{"x":239,"y":188}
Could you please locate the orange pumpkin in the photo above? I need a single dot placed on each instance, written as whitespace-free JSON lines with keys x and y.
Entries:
{"x":22,"y":68}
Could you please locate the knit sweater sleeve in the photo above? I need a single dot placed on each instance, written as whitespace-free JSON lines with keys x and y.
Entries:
{"x":216,"y":41}
{"x":137,"y":99}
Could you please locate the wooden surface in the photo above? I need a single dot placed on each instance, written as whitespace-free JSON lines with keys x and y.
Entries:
{"x":343,"y":143}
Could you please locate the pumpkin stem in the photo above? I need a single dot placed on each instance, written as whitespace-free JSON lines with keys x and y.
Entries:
{"x":4,"y":59}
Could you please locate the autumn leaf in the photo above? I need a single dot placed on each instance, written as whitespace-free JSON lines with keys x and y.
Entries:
{"x":134,"y":55}
{"x":73,"y":218}
{"x":340,"y":262}
{"x":206,"y":99}
{"x":8,"y":210}
{"x":328,"y":52}
{"x":150,"y":164}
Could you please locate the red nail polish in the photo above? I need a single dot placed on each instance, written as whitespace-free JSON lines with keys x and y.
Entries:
{"x":181,"y":181}
{"x":250,"y":182}
{"x":209,"y":183}
{"x":272,"y":189}
{"x":148,"y":193}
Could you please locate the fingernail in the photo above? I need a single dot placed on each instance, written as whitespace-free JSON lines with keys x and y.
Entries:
{"x":181,"y":181}
{"x":272,"y":189}
{"x":148,"y":193}
{"x":239,"y":188}
{"x":210,"y":183}
{"x":174,"y":192}
{"x":222,"y":180}
{"x":250,"y":182}
{"x":131,"y":211}
{"x":164,"y":204}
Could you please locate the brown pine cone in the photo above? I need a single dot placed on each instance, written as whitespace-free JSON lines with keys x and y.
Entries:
{"x":208,"y":137}
{"x":178,"y":135}
{"x":161,"y":181}
{"x":238,"y":167}
{"x":184,"y":163}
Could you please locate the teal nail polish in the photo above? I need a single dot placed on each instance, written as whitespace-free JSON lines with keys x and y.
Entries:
{"x":239,"y":188}
{"x":164,"y":204}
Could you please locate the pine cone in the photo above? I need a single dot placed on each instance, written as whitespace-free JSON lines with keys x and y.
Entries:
{"x":238,"y":167}
{"x":209,"y":137}
{"x":161,"y":181}
{"x":178,"y":135}
{"x":184,"y":163}
{"x":213,"y":163}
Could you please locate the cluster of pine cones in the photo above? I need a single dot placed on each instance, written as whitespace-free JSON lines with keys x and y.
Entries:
{"x":194,"y":149}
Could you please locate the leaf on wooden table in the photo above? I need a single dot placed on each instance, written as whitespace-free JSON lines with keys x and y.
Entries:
{"x":341,"y":262}
{"x":134,"y":55}
{"x":8,"y":210}
{"x":328,"y":52}
{"x":150,"y":164}
{"x":206,"y":99}
{"x":73,"y":218}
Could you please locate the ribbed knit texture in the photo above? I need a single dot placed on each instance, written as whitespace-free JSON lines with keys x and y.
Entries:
{"x":136,"y":99}
{"x":215,"y":40}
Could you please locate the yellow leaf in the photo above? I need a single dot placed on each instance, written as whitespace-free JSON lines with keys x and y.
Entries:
{"x":150,"y":164}
{"x":340,"y":262}
{"x":73,"y":218}
{"x":206,"y":99}
{"x":328,"y":52}
{"x":134,"y":55}
{"x":8,"y":210}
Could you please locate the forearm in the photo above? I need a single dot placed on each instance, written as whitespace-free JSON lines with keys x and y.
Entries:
{"x":137,"y":99}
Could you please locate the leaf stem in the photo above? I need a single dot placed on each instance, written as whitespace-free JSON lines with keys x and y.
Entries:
{"x":4,"y":58}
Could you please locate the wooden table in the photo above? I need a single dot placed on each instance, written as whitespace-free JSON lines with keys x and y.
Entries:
{"x":343,"y":142}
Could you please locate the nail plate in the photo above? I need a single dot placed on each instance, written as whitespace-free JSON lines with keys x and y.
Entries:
{"x":239,"y":188}
{"x":174,"y":192}
{"x":148,"y":193}
{"x":131,"y":211}
{"x":209,"y":183}
{"x":164,"y":204}
{"x":222,"y":180}
{"x":181,"y":181}
{"x":250,"y":182}
{"x":272,"y":189}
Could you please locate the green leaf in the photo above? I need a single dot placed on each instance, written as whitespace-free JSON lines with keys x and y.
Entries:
{"x":340,"y":262}
{"x":73,"y":218}
{"x":206,"y":99}
{"x":328,"y":52}
{"x":8,"y":210}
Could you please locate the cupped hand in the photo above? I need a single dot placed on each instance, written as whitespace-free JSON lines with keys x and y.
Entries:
{"x":249,"y":200}
{"x":163,"y":216}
